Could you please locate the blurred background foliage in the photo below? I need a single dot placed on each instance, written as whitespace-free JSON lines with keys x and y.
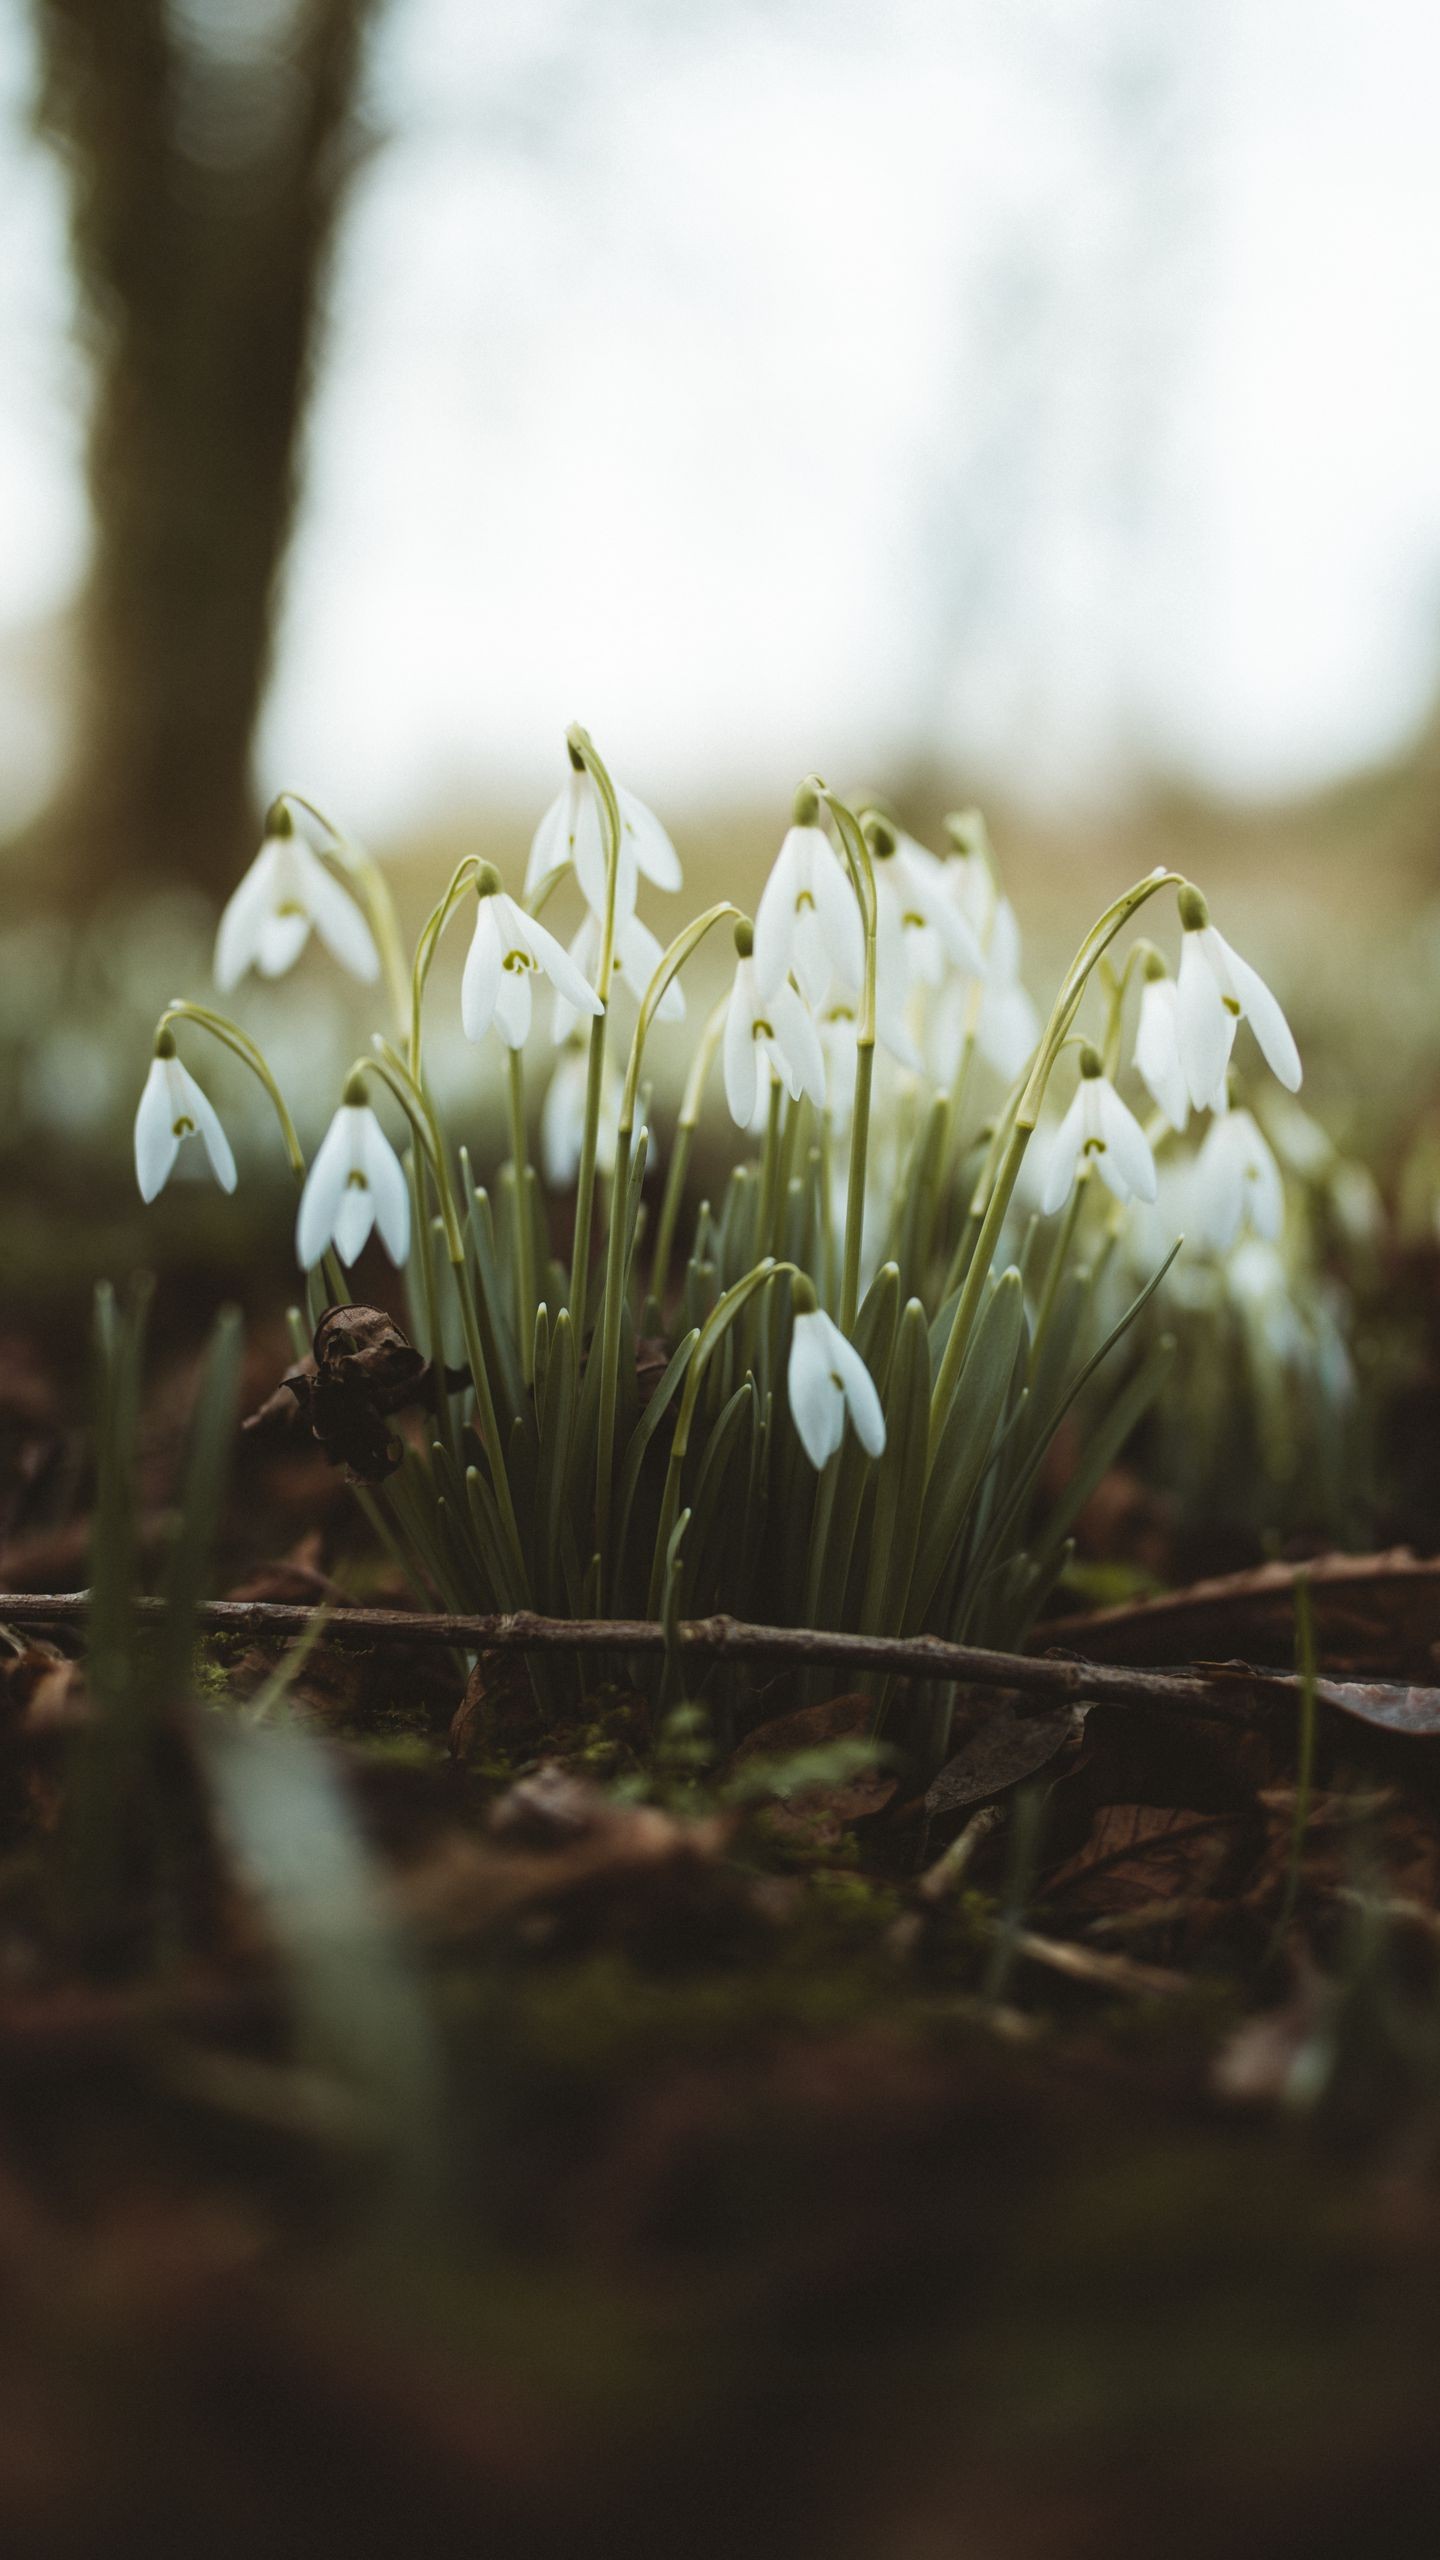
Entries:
{"x":361,"y":389}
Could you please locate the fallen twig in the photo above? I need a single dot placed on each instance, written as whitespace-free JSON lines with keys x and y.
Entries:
{"x":1211,"y":1689}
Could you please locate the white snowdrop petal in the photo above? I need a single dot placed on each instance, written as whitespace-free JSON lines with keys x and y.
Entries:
{"x":212,"y":1137}
{"x":1125,"y":1143}
{"x":1063,"y":1160}
{"x":816,"y":1402}
{"x":775,"y":916}
{"x":279,"y":941}
{"x":861,"y":1394}
{"x":550,"y":844}
{"x":1157,"y":1051}
{"x":1263,"y":1012}
{"x":336,"y":916}
{"x":391,"y":1192}
{"x":741,"y":1071}
{"x":655,"y":855}
{"x":513,"y":1007}
{"x":480,"y":981}
{"x":238,"y":935}
{"x":1207,"y":1029}
{"x":156,"y":1145}
{"x":799,"y":1043}
{"x":559,"y":968}
{"x":324,"y":1188}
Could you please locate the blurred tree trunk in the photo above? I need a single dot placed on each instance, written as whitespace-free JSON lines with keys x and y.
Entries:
{"x":208,"y":146}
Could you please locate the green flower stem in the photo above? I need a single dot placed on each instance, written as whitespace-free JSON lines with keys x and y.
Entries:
{"x":769,"y":1166}
{"x":691,"y":1104}
{"x":435,"y":1331}
{"x":583,"y":756}
{"x":1052,"y":1039}
{"x":862,"y":875}
{"x":419,"y":1109}
{"x":461,"y":879}
{"x":722,"y":1315}
{"x":524,"y":1234}
{"x":243,"y":1047}
{"x":671,"y":963}
{"x":1060,"y":1255}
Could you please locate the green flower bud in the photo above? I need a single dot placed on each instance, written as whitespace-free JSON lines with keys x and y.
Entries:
{"x":488,"y":882}
{"x":1194,"y":913}
{"x":807,"y":806}
{"x":354,"y":1094}
{"x":744,"y":937}
{"x":165,"y":1043}
{"x":1091,"y":1062}
{"x":802,"y":1295}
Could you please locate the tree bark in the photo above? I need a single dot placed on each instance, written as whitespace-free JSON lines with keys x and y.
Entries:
{"x":206,"y":178}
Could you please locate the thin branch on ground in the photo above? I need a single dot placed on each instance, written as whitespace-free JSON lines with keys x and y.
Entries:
{"x":1214,"y":1691}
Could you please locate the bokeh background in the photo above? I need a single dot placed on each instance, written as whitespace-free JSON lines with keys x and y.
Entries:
{"x":1030,"y":401}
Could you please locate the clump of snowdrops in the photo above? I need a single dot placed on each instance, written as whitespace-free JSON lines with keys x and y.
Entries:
{"x":825,"y":1395}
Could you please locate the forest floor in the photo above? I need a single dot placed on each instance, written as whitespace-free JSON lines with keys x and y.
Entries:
{"x":621,"y":2158}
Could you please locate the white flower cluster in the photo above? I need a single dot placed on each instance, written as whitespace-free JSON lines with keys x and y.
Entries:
{"x":862,"y":925}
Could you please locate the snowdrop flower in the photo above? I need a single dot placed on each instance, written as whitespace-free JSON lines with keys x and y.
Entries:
{"x":172,"y":1109}
{"x":1237,"y":1184}
{"x":1098,"y":1126}
{"x":827,"y":1379}
{"x":808,"y":921}
{"x":910,"y":893}
{"x":354,"y":1184}
{"x":1217,"y":991}
{"x":562,"y":1119}
{"x":778,"y":1027}
{"x":1008,"y":1025}
{"x":287,"y":891}
{"x":573,"y":831}
{"x":634,"y":959}
{"x":1158,"y":1059}
{"x":506,"y":950}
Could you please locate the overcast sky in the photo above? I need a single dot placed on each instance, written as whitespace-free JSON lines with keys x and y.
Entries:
{"x":1049,"y":384}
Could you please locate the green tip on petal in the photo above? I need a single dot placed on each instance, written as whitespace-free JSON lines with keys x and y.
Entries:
{"x":165,"y":1042}
{"x":1194,"y":914}
{"x":278,"y":821}
{"x":354,"y":1094}
{"x":577,"y":761}
{"x":744,"y":936}
{"x":807,"y":806}
{"x":488,"y":883}
{"x":1091,"y":1062}
{"x":880,"y":836}
{"x":802,"y":1295}
{"x":1155,"y":967}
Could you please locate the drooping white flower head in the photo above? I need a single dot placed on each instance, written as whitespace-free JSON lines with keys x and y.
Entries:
{"x":287,"y":891}
{"x":911,"y":893}
{"x":777,"y":1028}
{"x":635,"y":956}
{"x":562,"y":1118}
{"x":1158,"y":1058}
{"x":1217,"y":991}
{"x":827,"y":1379}
{"x":354,"y":1184}
{"x":573,"y":831}
{"x":507,"y":950}
{"x":807,"y":924}
{"x":172,"y":1109}
{"x":1100,"y":1130}
{"x":1237,"y":1184}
